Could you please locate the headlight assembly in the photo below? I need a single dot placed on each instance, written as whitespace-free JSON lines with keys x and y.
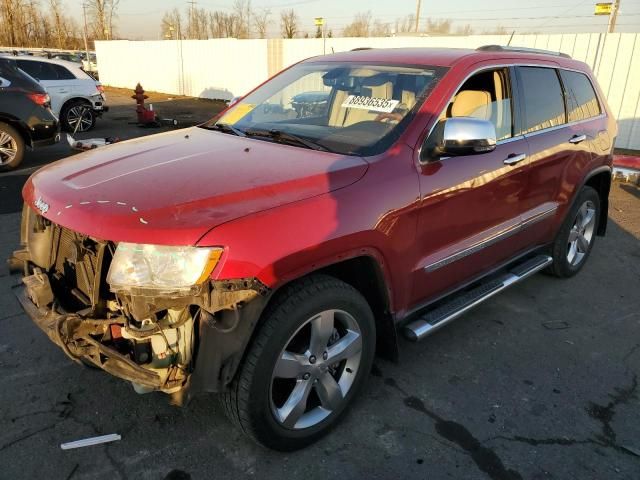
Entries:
{"x":161,"y":268}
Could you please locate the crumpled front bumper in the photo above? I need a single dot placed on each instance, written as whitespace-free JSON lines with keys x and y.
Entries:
{"x":72,"y":334}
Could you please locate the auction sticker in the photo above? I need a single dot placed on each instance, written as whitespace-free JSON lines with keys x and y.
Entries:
{"x":370,"y":103}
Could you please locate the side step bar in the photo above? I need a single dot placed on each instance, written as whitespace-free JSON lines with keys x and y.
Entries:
{"x":435,"y":319}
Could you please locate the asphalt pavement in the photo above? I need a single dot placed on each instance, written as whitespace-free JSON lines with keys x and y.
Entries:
{"x":541,"y":382}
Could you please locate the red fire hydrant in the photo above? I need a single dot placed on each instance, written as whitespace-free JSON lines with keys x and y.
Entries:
{"x":145,"y":115}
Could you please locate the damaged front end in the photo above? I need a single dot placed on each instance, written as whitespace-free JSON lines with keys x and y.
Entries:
{"x":178,"y":342}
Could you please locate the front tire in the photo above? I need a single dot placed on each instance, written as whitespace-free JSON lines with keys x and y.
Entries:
{"x":306,"y":363}
{"x":11,"y":147}
{"x":78,"y":114}
{"x":575,"y":239}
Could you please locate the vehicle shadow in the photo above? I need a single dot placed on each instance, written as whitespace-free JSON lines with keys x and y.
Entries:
{"x":632,"y":189}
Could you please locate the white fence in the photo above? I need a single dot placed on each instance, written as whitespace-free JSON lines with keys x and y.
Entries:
{"x":224,"y":68}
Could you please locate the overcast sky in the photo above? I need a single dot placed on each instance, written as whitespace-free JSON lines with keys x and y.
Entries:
{"x":141,"y":18}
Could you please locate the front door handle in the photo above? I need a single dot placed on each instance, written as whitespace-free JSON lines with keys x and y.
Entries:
{"x":515,"y":158}
{"x":578,"y":138}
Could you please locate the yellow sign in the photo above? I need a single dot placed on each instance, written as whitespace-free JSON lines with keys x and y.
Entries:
{"x":319,"y":21}
{"x":603,"y":9}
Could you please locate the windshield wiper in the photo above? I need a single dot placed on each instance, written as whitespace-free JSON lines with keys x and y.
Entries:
{"x":226,"y":128}
{"x":280,"y":136}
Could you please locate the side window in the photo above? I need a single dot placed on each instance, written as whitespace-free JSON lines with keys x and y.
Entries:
{"x":486,"y":95}
{"x":62,"y":73}
{"x":38,"y":70}
{"x":31,"y":68}
{"x":582,"y":102}
{"x":543,"y":99}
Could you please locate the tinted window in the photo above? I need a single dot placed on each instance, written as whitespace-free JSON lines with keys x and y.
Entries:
{"x":38,"y":70}
{"x":581,"y":98}
{"x":543,"y":100}
{"x":62,"y":73}
{"x":9,"y":71}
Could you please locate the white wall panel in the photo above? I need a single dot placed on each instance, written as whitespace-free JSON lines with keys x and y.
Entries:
{"x":224,"y":68}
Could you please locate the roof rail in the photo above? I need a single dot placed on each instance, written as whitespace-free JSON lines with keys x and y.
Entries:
{"x":500,"y":48}
{"x":360,"y":48}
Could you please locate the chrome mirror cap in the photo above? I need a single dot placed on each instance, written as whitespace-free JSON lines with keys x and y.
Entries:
{"x":467,"y":136}
{"x":459,"y":136}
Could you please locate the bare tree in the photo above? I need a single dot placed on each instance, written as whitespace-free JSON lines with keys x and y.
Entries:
{"x":261,"y":21}
{"x":289,"y":23}
{"x":498,"y":30}
{"x":439,"y":26}
{"x":380,"y":29}
{"x":10,"y":20}
{"x":406,"y":24}
{"x":198,"y":27}
{"x":359,"y":27}
{"x":242,"y":13}
{"x":102,"y":14}
{"x":171,"y":25}
{"x":58,"y":25}
{"x":464,"y":30}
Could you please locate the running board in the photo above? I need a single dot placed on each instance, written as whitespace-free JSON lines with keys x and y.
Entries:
{"x":437,"y":318}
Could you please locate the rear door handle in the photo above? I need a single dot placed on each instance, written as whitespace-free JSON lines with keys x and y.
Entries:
{"x":515,"y":158}
{"x":578,"y":138}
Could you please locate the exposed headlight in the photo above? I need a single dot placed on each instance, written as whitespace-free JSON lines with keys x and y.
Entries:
{"x":162,"y":268}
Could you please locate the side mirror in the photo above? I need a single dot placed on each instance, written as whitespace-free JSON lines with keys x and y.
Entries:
{"x":4,"y":82}
{"x":460,"y":136}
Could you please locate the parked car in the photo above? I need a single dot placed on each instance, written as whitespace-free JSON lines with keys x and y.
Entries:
{"x":626,"y":169}
{"x":26,"y":119}
{"x":90,"y":63}
{"x":76,"y":98}
{"x":66,"y":56}
{"x":268,"y":255}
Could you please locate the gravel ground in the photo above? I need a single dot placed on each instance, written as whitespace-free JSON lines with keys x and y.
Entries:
{"x":540,"y":383}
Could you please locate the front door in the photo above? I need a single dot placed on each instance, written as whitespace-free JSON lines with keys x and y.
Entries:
{"x":472,"y":206}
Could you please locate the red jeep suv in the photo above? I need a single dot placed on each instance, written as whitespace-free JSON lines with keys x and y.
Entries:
{"x":269,"y":254}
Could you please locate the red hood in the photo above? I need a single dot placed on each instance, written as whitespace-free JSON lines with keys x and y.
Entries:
{"x":173,"y":187}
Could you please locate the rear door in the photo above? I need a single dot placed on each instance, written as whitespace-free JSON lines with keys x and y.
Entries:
{"x":559,"y":149}
{"x":471,"y":206}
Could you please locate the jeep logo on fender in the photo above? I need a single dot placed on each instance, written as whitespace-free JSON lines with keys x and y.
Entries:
{"x":41,"y":205}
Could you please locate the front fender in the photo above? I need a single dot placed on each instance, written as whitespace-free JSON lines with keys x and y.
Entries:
{"x":285,"y":243}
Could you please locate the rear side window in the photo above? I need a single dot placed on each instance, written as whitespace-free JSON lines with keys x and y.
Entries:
{"x":38,"y":70}
{"x":62,"y":73}
{"x":543,"y":99}
{"x":582,"y":102}
{"x":45,"y":71}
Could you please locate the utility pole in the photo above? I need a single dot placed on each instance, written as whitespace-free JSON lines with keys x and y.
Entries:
{"x":614,"y":16}
{"x":417,"y":15}
{"x":86,"y":44}
{"x":191,"y":10}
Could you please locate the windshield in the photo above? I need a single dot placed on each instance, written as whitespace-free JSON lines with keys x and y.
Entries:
{"x":348,"y":108}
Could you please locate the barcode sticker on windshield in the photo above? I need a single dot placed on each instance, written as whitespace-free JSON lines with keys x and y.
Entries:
{"x":370,"y":103}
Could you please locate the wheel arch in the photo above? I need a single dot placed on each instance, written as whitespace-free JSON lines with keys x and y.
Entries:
{"x":600,"y":180}
{"x":74,"y":100}
{"x":19,"y":126}
{"x":366,"y":274}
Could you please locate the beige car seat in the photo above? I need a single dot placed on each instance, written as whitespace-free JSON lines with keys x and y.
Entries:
{"x":472,"y":103}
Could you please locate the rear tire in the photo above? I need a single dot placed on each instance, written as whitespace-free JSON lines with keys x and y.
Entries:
{"x":306,"y":363}
{"x":78,"y":111}
{"x":11,"y":147}
{"x":574,"y":241}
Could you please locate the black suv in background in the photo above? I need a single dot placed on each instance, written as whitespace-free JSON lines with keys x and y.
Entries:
{"x":26,"y":119}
